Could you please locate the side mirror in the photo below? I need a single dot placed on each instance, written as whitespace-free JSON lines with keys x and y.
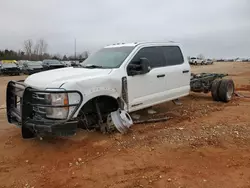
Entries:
{"x":139,"y":67}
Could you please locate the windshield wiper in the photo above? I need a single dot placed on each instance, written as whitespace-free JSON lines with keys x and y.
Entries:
{"x":92,"y":66}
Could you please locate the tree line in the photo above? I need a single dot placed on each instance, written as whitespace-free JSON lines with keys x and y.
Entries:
{"x":37,"y":52}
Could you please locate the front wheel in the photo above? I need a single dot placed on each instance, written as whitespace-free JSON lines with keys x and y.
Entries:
{"x":94,"y":113}
{"x":27,"y":133}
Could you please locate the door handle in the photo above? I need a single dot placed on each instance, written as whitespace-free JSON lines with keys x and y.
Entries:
{"x":160,"y":75}
{"x":185,"y":71}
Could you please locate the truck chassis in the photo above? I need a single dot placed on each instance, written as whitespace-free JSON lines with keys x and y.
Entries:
{"x":221,"y":89}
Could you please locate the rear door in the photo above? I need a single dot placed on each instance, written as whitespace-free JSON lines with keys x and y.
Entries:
{"x":177,"y":73}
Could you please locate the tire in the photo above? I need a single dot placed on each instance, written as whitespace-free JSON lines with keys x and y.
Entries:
{"x":215,"y":90}
{"x":195,"y":63}
{"x":226,"y":90}
{"x":27,"y":133}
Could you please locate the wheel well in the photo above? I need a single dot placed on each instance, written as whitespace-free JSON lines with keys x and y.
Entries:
{"x":105,"y":103}
{"x":95,"y":110}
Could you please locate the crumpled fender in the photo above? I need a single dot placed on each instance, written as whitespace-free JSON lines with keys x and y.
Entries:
{"x":95,"y":92}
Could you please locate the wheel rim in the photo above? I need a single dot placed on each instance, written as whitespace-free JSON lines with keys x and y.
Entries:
{"x":230,"y":91}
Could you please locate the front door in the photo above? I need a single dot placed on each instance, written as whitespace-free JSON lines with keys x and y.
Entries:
{"x":147,"y":89}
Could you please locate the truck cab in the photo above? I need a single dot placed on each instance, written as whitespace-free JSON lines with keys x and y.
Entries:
{"x":130,"y":76}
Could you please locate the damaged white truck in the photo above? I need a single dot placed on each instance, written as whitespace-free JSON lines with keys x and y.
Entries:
{"x":130,"y":77}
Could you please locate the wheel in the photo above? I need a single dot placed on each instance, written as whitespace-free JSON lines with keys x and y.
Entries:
{"x":27,"y":133}
{"x":202,"y":63}
{"x":96,"y":111}
{"x":214,"y":90}
{"x":195,"y":63}
{"x":226,"y":90}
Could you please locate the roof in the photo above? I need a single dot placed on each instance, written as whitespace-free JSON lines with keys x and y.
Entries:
{"x":139,"y":43}
{"x":8,"y":61}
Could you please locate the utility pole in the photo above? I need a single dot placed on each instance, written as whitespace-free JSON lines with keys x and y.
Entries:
{"x":75,"y":49}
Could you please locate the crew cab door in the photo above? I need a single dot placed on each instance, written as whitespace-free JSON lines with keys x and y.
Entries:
{"x":147,"y":89}
{"x":177,"y":73}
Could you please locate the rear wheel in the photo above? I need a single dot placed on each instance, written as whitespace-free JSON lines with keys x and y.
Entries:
{"x":226,"y":90}
{"x":214,"y":90}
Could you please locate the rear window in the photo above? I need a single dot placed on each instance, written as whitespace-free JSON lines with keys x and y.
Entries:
{"x":173,"y":55}
{"x":9,"y":65}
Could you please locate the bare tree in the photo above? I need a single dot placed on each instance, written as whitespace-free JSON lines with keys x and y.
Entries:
{"x":201,"y":56}
{"x":42,"y":47}
{"x":36,"y":48}
{"x":85,"y":54}
{"x":28,"y":44}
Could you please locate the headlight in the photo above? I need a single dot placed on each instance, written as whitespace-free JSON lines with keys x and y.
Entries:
{"x":57,"y":99}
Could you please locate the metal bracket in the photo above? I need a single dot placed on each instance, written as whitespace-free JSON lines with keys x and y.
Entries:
{"x":177,"y":102}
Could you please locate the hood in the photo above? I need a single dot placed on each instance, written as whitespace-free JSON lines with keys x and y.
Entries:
{"x":55,"y":78}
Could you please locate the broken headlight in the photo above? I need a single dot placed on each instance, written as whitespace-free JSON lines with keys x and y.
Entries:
{"x":60,"y":100}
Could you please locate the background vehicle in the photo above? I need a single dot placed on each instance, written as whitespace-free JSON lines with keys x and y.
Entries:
{"x":66,"y":63}
{"x":196,"y":61}
{"x":75,"y":64}
{"x":31,"y":67}
{"x":209,"y":62}
{"x":49,"y":64}
{"x":20,"y":63}
{"x":10,"y":69}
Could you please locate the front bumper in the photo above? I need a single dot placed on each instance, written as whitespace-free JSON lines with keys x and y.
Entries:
{"x":26,"y":109}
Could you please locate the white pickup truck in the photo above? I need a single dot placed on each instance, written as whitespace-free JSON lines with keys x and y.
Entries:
{"x":196,"y":61}
{"x":130,"y":76}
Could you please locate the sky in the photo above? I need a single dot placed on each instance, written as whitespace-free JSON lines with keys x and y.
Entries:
{"x":214,"y":28}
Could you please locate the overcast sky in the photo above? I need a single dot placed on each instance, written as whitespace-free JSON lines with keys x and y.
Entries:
{"x":216,"y":28}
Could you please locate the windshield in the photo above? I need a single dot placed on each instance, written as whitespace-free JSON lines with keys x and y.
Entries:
{"x":34,"y":64}
{"x":54,"y":62}
{"x":193,"y":58}
{"x":108,"y":57}
{"x":8,"y":65}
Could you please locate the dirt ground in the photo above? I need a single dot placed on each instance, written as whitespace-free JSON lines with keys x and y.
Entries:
{"x":206,"y":144}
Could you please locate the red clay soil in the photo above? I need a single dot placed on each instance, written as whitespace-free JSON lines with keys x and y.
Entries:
{"x":206,"y":144}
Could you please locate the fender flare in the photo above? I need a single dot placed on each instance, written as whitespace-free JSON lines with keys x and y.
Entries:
{"x":96,"y":92}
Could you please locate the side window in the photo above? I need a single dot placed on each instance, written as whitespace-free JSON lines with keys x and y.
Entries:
{"x":153,"y":54}
{"x":173,"y":55}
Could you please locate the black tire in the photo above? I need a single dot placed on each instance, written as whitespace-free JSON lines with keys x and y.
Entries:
{"x":27,"y":133}
{"x":215,"y":90}
{"x":195,"y":63}
{"x":226,"y":90}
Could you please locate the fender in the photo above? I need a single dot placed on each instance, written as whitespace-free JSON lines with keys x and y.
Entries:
{"x":95,"y":92}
